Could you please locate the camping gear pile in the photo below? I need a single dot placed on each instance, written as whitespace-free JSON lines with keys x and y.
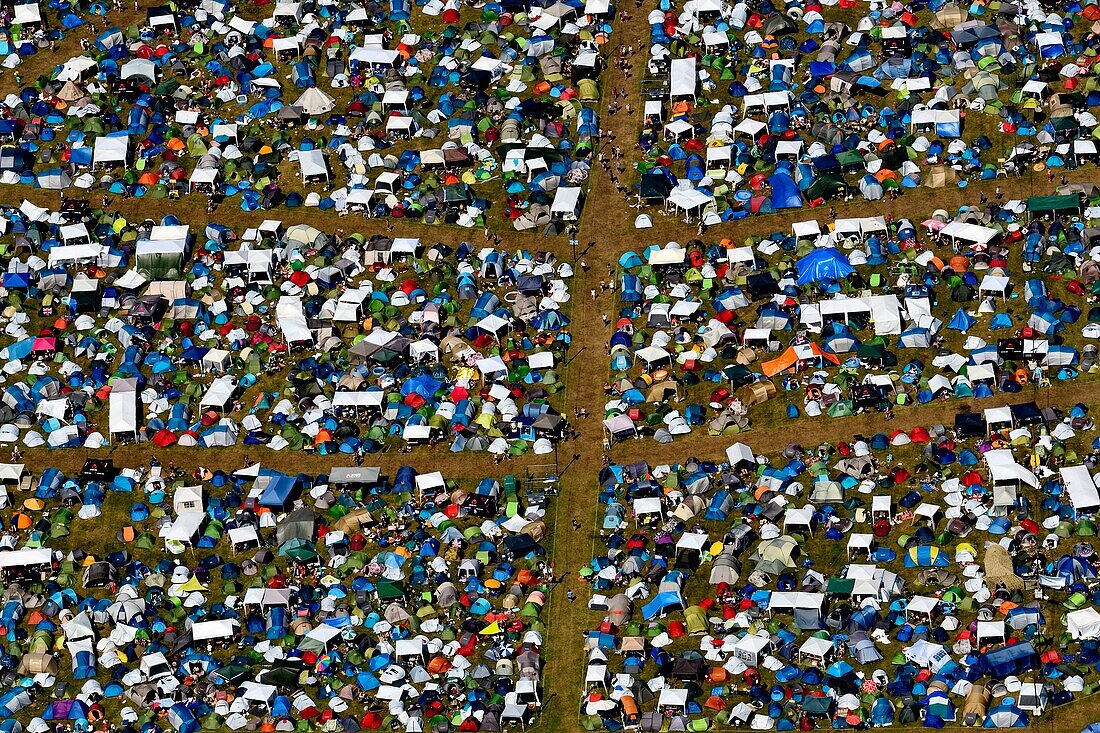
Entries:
{"x":430,"y":111}
{"x":843,"y":586}
{"x":861,"y":314}
{"x":286,"y":337}
{"x":757,"y":109}
{"x":233,"y":599}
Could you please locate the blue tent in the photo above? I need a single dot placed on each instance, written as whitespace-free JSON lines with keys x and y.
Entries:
{"x":278,"y":491}
{"x":882,"y":712}
{"x":1006,"y":715}
{"x":785,"y":194}
{"x":926,"y":557}
{"x":961,"y":321}
{"x":1073,"y":569}
{"x":1009,"y":660}
{"x":826,"y":264}
{"x":662,"y":603}
{"x":183,"y":719}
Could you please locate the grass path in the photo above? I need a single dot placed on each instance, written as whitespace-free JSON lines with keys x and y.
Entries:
{"x":607,"y":221}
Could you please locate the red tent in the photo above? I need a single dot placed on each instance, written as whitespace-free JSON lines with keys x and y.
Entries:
{"x":920,"y":434}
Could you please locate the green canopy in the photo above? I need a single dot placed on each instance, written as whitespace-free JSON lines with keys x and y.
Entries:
{"x":1044,"y":204}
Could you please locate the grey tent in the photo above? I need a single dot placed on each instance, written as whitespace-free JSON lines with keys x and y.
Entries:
{"x":298,"y":525}
{"x":863,"y":649}
{"x":726,"y":568}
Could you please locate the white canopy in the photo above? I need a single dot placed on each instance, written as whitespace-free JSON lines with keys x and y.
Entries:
{"x":312,"y":164}
{"x":1084,"y":623}
{"x":972,"y":233}
{"x":291,"y":316}
{"x":1004,"y":469}
{"x":26,"y":13}
{"x":110,"y":150}
{"x":1082,"y":489}
{"x":566,"y":203}
{"x":123,"y":406}
{"x":26,"y":557}
{"x":683,"y":78}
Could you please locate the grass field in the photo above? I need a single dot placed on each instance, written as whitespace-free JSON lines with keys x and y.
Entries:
{"x":608,"y":223}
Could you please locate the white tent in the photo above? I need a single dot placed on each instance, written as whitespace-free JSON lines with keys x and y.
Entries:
{"x":26,"y":14}
{"x":123,"y":405}
{"x":217,"y":629}
{"x":203,"y":177}
{"x":185,"y":528}
{"x":188,"y":499}
{"x":216,"y":360}
{"x":314,"y":102}
{"x":739,"y":453}
{"x":220,"y":394}
{"x":995,"y":285}
{"x":371,"y":400}
{"x":375,"y":56}
{"x":429,"y":484}
{"x":921,"y":609}
{"x":749,"y":647}
{"x":673,"y":698}
{"x":142,"y":69}
{"x":25,"y":558}
{"x":815,"y":648}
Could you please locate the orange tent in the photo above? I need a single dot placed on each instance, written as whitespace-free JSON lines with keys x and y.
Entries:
{"x":439,"y":665}
{"x":791,"y":359}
